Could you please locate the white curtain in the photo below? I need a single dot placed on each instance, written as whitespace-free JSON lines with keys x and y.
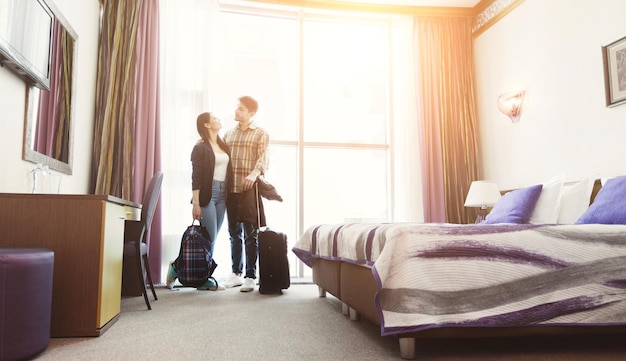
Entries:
{"x":407,"y":174}
{"x":186,"y":31}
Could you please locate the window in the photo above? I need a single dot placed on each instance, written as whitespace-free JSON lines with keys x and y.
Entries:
{"x":324,"y":83}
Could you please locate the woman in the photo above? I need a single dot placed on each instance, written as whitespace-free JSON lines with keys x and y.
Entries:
{"x":211,"y":173}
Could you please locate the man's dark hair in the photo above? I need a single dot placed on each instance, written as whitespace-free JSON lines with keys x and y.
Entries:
{"x":249,"y":103}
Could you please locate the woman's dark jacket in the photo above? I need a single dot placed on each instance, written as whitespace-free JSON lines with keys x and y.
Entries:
{"x":203,"y":169}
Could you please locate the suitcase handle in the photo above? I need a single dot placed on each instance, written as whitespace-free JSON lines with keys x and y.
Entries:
{"x":258,"y":208}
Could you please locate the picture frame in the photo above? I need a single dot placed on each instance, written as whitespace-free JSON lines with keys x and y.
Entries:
{"x":614,"y":59}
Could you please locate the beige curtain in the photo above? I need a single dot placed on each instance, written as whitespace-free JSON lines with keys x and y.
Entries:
{"x":115,"y":99}
{"x":448,"y":122}
{"x":127,"y":149}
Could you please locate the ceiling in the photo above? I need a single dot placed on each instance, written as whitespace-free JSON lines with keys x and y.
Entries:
{"x":438,"y":3}
{"x":424,"y":7}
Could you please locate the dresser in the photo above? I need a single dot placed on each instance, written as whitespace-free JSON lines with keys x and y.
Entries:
{"x":86,"y":234}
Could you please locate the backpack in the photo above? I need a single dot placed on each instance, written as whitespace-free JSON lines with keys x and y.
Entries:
{"x":194,"y":266}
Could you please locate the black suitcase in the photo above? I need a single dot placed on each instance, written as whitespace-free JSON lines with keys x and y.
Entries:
{"x":273,"y":262}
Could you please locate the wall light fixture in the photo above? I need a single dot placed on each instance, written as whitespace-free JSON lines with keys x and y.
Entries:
{"x":510,"y":104}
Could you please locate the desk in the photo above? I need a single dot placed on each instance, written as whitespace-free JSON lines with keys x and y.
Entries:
{"x":86,"y":234}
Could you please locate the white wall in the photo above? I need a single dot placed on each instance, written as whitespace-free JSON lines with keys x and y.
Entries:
{"x":83,"y":16}
{"x":552,"y":49}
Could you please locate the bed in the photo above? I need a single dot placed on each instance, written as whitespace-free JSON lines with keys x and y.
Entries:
{"x":420,"y":280}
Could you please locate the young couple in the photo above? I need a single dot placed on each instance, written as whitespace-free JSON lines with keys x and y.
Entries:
{"x":221,"y":170}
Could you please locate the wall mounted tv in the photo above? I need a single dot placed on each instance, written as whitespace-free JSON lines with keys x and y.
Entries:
{"x":25,"y":39}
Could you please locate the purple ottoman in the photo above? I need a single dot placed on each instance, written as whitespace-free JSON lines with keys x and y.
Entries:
{"x":25,"y":301}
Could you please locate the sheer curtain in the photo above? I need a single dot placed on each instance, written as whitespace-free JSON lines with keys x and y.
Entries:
{"x":186,"y":91}
{"x":406,"y":191}
{"x":205,"y":66}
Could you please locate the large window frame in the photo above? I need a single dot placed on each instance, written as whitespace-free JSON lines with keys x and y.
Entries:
{"x":394,"y":165}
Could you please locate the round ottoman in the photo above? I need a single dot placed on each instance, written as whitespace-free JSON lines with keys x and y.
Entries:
{"x":25,"y":301}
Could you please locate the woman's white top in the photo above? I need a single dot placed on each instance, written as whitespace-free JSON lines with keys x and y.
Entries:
{"x":221,"y":165}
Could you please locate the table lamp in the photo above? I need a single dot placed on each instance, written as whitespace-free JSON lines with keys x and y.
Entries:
{"x":482,"y":194}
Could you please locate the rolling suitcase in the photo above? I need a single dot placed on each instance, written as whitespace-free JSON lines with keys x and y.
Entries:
{"x":273,"y":261}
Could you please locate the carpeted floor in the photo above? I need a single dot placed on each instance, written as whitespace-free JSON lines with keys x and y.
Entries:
{"x":187,"y":324}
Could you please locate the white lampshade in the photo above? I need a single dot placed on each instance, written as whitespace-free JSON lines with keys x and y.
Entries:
{"x":482,"y":194}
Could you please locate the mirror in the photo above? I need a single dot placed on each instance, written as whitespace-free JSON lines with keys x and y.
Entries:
{"x":48,"y":130}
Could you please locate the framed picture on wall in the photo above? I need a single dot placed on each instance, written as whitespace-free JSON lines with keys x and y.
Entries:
{"x":614,"y":59}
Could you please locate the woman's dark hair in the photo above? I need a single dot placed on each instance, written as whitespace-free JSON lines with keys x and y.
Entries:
{"x":200,"y":122}
{"x":249,"y":103}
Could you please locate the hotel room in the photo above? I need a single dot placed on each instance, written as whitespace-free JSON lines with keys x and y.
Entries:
{"x":553,"y":51}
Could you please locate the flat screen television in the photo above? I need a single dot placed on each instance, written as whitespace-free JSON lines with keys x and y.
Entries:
{"x":26,"y":28}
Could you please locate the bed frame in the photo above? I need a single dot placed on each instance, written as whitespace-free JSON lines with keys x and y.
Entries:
{"x":356,"y":287}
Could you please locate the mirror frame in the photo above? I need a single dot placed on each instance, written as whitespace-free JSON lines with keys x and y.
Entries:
{"x":32,"y":99}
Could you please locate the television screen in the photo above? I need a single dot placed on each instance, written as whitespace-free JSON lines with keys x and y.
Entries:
{"x":25,"y":39}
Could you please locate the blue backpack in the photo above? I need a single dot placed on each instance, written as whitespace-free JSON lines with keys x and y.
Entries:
{"x":194,"y":265}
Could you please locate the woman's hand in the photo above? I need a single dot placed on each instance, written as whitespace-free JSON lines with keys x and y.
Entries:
{"x":196,"y":212}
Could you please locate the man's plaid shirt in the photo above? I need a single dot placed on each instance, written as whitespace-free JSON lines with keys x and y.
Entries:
{"x":248,"y":150}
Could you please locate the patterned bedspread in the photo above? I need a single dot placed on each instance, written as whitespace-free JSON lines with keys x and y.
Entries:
{"x":447,"y":275}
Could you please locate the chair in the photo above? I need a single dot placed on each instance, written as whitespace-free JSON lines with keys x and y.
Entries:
{"x":136,"y":240}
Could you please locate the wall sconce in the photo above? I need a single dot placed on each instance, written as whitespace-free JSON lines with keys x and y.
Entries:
{"x":482,"y":194}
{"x":510,"y":104}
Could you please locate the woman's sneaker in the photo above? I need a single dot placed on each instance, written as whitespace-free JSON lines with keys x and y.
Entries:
{"x":171,"y":276}
{"x":233,"y":281}
{"x":211,"y":285}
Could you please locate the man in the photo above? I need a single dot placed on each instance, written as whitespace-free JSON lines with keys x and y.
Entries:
{"x":248,"y":149}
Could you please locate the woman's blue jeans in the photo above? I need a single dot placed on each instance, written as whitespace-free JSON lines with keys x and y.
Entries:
{"x":213,"y":212}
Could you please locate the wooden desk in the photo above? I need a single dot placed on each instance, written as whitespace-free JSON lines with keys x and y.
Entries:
{"x":86,"y":233}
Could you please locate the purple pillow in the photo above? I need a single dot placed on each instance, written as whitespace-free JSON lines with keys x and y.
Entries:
{"x":515,"y":206}
{"x":609,"y":206}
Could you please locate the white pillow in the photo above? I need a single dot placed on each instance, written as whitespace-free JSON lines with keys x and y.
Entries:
{"x":604,"y":179}
{"x":575,"y":201}
{"x":546,"y":210}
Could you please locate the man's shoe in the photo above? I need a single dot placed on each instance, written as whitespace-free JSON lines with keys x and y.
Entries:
{"x":171,"y":276}
{"x":248,"y":284}
{"x":233,"y":281}
{"x":211,"y":285}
